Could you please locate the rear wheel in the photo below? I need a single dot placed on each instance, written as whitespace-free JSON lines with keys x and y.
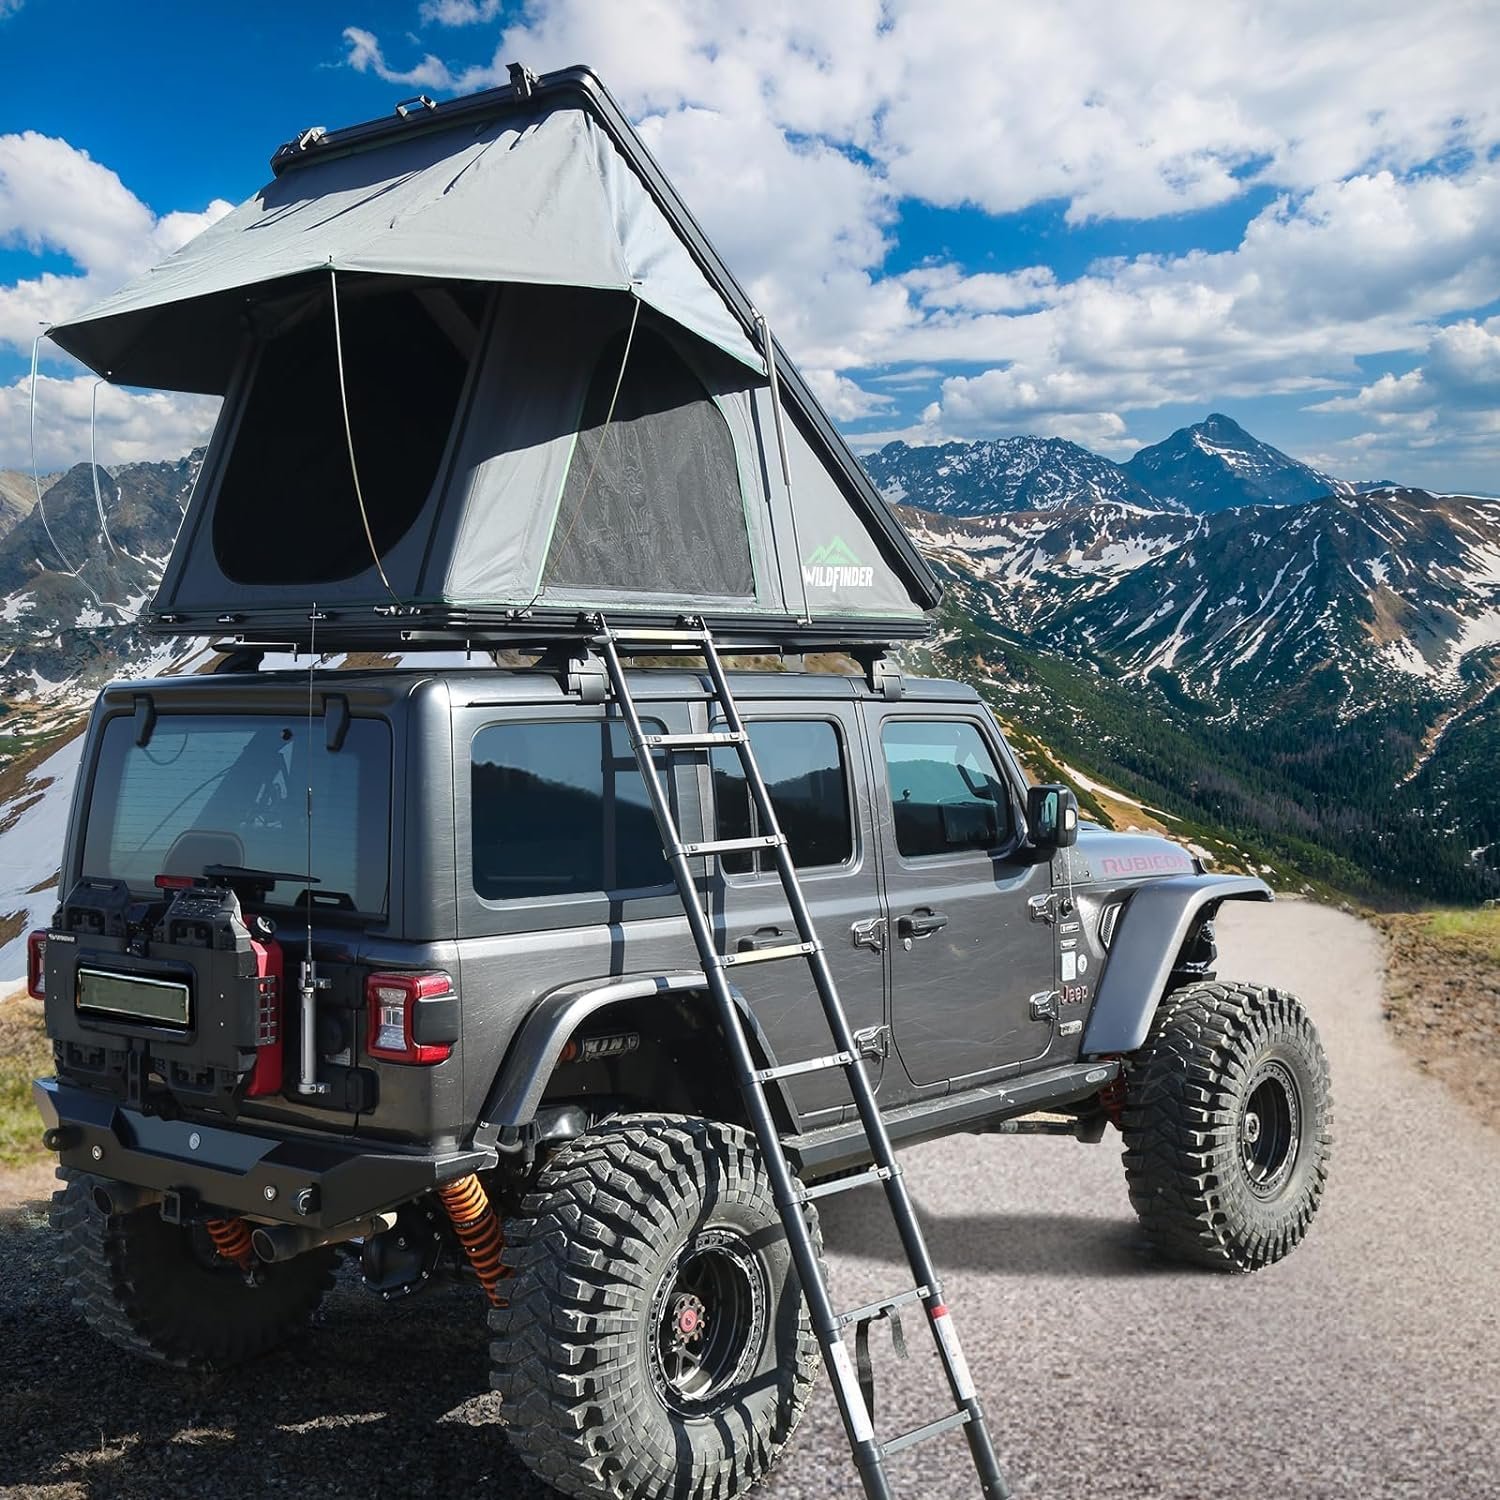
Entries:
{"x":162,"y":1291}
{"x":655,"y":1342}
{"x":1227,"y":1125}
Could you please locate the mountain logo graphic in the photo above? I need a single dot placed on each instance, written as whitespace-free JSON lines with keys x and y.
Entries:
{"x":835,"y":566}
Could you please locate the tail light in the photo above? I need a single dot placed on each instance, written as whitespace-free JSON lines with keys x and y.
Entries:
{"x":405,"y":1024}
{"x":36,"y":965}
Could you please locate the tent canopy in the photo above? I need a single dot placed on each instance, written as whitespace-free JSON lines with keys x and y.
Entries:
{"x":556,"y":396}
{"x":540,"y":198}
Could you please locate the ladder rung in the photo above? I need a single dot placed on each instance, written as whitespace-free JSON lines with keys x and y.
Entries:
{"x":887,"y":1304}
{"x":921,"y":1434}
{"x":843,"y":1184}
{"x":733,"y":846}
{"x":694,"y":741}
{"x":656,"y":634}
{"x":768,"y":955}
{"x":812,"y":1065}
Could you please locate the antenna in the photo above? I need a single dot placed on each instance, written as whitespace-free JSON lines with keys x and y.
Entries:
{"x":307,"y":1052}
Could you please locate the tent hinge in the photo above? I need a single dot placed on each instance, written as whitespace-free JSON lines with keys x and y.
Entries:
{"x":522,"y":79}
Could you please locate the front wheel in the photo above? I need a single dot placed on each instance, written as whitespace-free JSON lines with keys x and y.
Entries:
{"x":655,"y":1344}
{"x":1227,"y":1125}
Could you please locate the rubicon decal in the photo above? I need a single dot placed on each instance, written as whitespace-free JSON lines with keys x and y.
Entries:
{"x":1145,"y":864}
{"x":835,"y":565}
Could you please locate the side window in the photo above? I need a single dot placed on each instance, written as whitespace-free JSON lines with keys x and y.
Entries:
{"x":559,"y":809}
{"x":946,"y":793}
{"x":802,"y":761}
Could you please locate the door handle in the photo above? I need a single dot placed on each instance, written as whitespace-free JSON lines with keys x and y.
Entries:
{"x":920,"y":924}
{"x":762,"y":937}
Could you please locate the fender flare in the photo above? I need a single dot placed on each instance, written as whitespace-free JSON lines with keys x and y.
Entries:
{"x":533,"y":1054}
{"x":1155,"y":924}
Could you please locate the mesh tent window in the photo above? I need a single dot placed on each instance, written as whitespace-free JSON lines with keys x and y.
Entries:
{"x":286,"y":510}
{"x":652,"y":502}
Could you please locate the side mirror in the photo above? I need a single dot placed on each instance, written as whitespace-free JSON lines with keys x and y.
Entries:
{"x":1052,"y":816}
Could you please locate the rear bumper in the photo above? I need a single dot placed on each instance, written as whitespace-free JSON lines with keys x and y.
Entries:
{"x":245,"y":1170}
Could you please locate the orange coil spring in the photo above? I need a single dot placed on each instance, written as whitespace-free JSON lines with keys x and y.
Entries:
{"x":478,"y":1231}
{"x":231,"y":1239}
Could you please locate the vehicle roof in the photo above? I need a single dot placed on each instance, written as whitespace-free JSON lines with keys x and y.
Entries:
{"x":477,"y":685}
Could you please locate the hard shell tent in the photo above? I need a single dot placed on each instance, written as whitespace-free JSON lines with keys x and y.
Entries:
{"x":482,"y":372}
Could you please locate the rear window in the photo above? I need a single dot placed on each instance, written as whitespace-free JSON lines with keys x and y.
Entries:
{"x":560,"y":809}
{"x":233,"y":790}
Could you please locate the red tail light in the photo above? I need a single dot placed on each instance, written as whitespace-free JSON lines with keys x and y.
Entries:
{"x":36,"y":965}
{"x":392,"y":1002}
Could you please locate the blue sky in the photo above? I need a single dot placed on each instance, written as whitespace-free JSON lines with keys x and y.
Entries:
{"x":964,"y":221}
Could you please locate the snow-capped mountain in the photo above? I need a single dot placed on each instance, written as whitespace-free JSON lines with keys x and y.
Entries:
{"x":1321,"y":681}
{"x":1362,"y":592}
{"x":1215,"y":465}
{"x":1016,"y":473}
{"x":76,"y":571}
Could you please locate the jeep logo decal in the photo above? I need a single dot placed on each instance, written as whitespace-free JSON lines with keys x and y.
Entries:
{"x":835,"y":565}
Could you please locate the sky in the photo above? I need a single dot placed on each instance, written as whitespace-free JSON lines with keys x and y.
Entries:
{"x":1088,"y":220}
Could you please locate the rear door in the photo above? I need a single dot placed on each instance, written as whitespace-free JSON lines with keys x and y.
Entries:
{"x":966,"y":955}
{"x":810,"y":756}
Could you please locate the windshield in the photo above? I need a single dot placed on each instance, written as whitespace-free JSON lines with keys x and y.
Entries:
{"x":232,"y":790}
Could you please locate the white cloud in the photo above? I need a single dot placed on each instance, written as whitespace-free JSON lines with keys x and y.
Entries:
{"x":54,"y":197}
{"x":9,"y":8}
{"x":459,"y":12}
{"x":1452,"y":398}
{"x":132,"y":425}
{"x":843,"y":399}
{"x":364,"y":55}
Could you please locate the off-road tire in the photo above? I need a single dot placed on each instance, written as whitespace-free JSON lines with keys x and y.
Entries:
{"x":592,"y":1252}
{"x":142,"y":1284}
{"x":1191,"y":1139}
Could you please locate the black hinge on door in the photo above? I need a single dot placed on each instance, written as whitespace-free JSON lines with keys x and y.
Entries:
{"x":870,"y":933}
{"x":1043,"y":908}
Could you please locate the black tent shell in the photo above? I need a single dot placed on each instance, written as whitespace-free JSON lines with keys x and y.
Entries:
{"x":556,"y":395}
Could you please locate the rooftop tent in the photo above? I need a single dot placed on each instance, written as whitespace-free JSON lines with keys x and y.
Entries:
{"x":483,"y":372}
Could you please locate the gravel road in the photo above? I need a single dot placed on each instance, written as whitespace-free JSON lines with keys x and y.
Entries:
{"x":1368,"y":1364}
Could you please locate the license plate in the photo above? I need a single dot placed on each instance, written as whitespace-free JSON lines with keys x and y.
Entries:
{"x":164,"y":1001}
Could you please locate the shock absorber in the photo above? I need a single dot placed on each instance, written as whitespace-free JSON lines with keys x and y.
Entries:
{"x":478,"y":1231}
{"x":231,"y":1239}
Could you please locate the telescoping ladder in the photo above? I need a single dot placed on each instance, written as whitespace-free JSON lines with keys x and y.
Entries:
{"x":869,"y":1452}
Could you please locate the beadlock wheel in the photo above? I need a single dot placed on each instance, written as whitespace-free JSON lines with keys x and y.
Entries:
{"x":655,"y":1345}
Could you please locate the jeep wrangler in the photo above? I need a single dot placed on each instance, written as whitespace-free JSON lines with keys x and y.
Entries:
{"x":388,"y":967}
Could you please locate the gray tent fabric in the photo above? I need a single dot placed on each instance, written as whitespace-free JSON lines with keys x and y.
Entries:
{"x":544,"y":199}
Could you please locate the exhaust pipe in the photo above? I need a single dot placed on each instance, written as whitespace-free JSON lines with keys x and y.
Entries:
{"x":122,"y":1197}
{"x":275,"y":1242}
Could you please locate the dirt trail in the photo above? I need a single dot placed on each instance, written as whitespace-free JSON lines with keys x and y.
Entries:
{"x":1363,"y":1366}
